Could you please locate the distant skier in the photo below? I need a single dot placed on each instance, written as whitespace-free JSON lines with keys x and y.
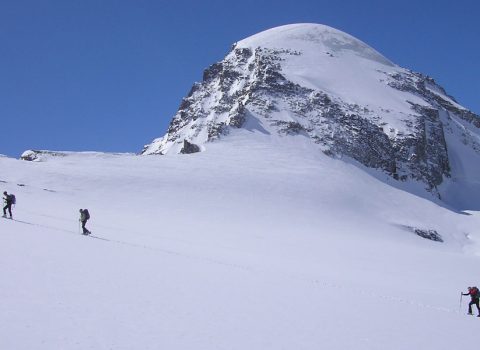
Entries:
{"x":84,"y":217}
{"x":475,"y":295}
{"x":8,"y":199}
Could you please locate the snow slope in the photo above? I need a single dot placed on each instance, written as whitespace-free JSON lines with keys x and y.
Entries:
{"x":257,"y":243}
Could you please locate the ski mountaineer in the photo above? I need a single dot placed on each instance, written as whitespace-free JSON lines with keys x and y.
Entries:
{"x":8,"y":200}
{"x":84,"y":216}
{"x":475,"y":295}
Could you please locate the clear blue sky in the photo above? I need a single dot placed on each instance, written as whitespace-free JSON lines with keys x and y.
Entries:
{"x":109,"y":75}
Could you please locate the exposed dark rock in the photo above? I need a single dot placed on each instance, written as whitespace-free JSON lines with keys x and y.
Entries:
{"x":419,"y":84}
{"x":290,"y":128}
{"x":212,"y":71}
{"x":429,"y":234}
{"x":189,"y":148}
{"x":215,"y":130}
{"x":432,"y":235}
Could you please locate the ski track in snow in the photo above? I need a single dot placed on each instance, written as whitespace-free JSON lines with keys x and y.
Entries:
{"x":264,"y":273}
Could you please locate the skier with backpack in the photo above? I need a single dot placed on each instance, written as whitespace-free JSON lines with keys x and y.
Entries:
{"x":475,"y":296}
{"x":9,"y":200}
{"x":84,"y":217}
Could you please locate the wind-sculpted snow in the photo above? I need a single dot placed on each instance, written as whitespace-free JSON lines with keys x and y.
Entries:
{"x":316,"y":82}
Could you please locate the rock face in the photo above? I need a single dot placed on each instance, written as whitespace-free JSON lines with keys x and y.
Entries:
{"x":314,"y":81}
{"x":189,"y":148}
{"x":38,"y":156}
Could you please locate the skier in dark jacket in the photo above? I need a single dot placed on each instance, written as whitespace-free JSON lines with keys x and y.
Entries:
{"x":8,"y":200}
{"x":84,"y":216}
{"x":475,"y":295}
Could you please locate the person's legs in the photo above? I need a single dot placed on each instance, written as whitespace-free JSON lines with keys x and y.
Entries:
{"x":84,"y":228}
{"x":9,"y":206}
{"x":470,"y":307}
{"x":5,"y":210}
{"x":86,"y":231}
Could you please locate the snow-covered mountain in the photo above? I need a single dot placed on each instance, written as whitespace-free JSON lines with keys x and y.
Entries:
{"x":345,"y":97}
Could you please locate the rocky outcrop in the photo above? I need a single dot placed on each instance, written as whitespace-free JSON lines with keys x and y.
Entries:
{"x":189,"y":148}
{"x":38,"y":156}
{"x":429,"y":234}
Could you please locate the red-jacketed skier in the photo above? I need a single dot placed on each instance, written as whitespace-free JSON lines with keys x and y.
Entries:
{"x":475,"y":295}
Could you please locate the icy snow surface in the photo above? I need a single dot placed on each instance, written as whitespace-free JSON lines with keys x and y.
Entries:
{"x":254,"y":244}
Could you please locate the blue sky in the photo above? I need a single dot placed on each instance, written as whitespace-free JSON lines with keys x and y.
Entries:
{"x":109,"y":75}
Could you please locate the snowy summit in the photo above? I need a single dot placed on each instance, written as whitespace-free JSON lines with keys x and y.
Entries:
{"x":312,"y":38}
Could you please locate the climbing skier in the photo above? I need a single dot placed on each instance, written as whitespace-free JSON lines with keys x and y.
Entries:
{"x":8,"y":199}
{"x":475,"y":295}
{"x":84,"y":216}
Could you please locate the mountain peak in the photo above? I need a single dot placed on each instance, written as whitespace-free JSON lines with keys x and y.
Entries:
{"x":313,"y":83}
{"x":313,"y":37}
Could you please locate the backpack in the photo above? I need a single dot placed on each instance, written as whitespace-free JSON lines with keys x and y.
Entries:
{"x":12,"y":199}
{"x":474,"y":292}
{"x":87,"y":214}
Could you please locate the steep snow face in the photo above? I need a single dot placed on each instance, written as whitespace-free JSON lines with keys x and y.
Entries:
{"x":314,"y":81}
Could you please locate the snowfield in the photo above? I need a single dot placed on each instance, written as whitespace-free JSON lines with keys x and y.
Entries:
{"x":257,"y":243}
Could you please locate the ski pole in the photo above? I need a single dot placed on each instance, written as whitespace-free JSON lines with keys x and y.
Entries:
{"x":460,"y":306}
